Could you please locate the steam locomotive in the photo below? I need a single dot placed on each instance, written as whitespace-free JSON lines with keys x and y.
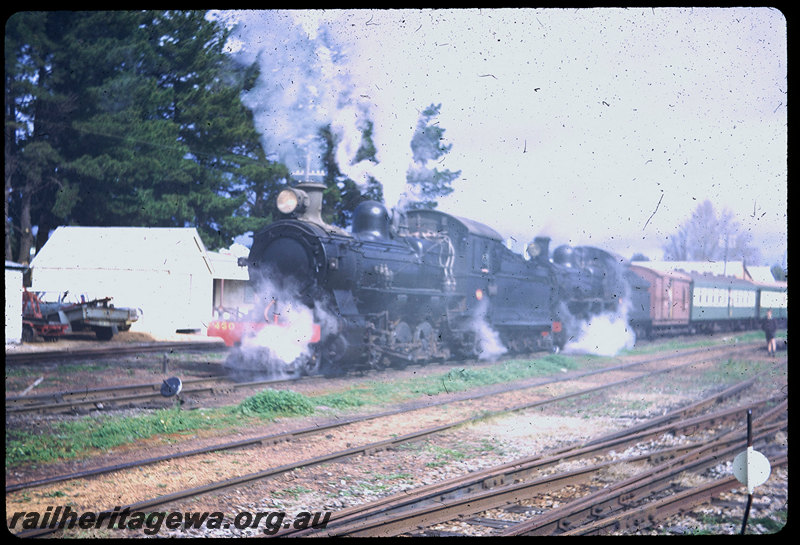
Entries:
{"x":398,"y":289}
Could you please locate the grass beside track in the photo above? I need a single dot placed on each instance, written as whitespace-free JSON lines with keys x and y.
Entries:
{"x":92,"y":434}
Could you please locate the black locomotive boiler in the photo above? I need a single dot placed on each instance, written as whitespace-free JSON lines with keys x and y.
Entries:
{"x":419,"y":287}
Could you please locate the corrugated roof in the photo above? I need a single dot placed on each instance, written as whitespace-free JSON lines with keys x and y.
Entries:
{"x":124,"y":248}
{"x":678,"y":275}
{"x":705,"y":279}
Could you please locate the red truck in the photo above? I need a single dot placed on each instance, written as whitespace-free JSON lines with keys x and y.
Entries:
{"x":35,"y":322}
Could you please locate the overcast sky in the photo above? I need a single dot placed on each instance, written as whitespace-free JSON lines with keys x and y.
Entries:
{"x":592,"y":126}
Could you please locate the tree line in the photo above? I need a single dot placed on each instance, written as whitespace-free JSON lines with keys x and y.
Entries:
{"x":134,"y":118}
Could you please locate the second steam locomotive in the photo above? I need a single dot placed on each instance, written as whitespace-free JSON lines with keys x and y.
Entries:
{"x":423,"y":286}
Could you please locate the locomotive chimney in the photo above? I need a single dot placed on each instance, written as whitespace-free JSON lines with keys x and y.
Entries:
{"x":539,"y":249}
{"x":313,"y":211}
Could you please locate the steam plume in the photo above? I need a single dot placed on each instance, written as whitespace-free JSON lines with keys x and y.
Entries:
{"x":602,"y":335}
{"x":608,"y":333}
{"x":313,"y":75}
{"x":281,"y":349}
{"x":489,"y":344}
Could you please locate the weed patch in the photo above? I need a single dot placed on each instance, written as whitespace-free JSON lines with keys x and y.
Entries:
{"x":78,"y":438}
{"x":274,"y":403}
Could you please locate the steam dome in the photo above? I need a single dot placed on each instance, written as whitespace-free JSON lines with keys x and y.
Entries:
{"x":371,"y":220}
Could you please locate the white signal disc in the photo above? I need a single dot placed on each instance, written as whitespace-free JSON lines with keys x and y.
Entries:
{"x":751,"y":468}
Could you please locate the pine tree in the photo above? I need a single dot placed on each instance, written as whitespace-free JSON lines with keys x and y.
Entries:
{"x":343,"y":194}
{"x":429,"y":184}
{"x":129,"y":118}
{"x":31,"y":145}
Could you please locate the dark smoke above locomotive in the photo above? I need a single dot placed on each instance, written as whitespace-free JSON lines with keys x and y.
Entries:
{"x":423,"y":286}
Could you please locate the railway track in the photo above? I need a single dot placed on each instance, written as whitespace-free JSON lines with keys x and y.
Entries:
{"x":619,"y":506}
{"x":118,"y":350}
{"x":626,"y":505}
{"x":271,"y":472}
{"x":317,"y":428}
{"x":126,"y":396}
{"x":133,"y":395}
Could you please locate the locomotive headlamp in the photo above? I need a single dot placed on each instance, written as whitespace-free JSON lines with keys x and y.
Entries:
{"x":292,"y":201}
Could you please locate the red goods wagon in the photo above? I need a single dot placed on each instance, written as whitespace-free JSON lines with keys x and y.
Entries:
{"x":670,"y":298}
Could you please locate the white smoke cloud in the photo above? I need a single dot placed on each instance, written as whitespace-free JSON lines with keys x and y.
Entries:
{"x":305,"y":84}
{"x":603,"y":335}
{"x":282,"y":348}
{"x":313,"y":75}
{"x":288,"y":341}
{"x":608,"y":333}
{"x":490,"y":346}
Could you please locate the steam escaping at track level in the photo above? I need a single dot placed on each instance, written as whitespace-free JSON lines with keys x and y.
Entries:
{"x":280,"y":341}
{"x":286,"y":343}
{"x":603,"y":335}
{"x":488,"y":343}
{"x":606,"y":332}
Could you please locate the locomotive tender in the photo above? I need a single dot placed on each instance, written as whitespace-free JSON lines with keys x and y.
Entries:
{"x":425,"y":286}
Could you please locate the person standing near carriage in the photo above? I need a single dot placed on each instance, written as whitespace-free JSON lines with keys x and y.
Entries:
{"x":769,"y":326}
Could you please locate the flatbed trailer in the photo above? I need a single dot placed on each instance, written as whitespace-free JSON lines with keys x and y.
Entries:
{"x":97,"y":315}
{"x":51,"y":320}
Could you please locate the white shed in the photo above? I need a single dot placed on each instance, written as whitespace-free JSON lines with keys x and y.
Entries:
{"x":14,"y":272}
{"x":164,"y":272}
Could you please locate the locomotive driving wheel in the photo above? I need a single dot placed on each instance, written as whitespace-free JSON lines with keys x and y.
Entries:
{"x":331,"y":356}
{"x":373,"y":341}
{"x":401,"y":335}
{"x":400,"y":342}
